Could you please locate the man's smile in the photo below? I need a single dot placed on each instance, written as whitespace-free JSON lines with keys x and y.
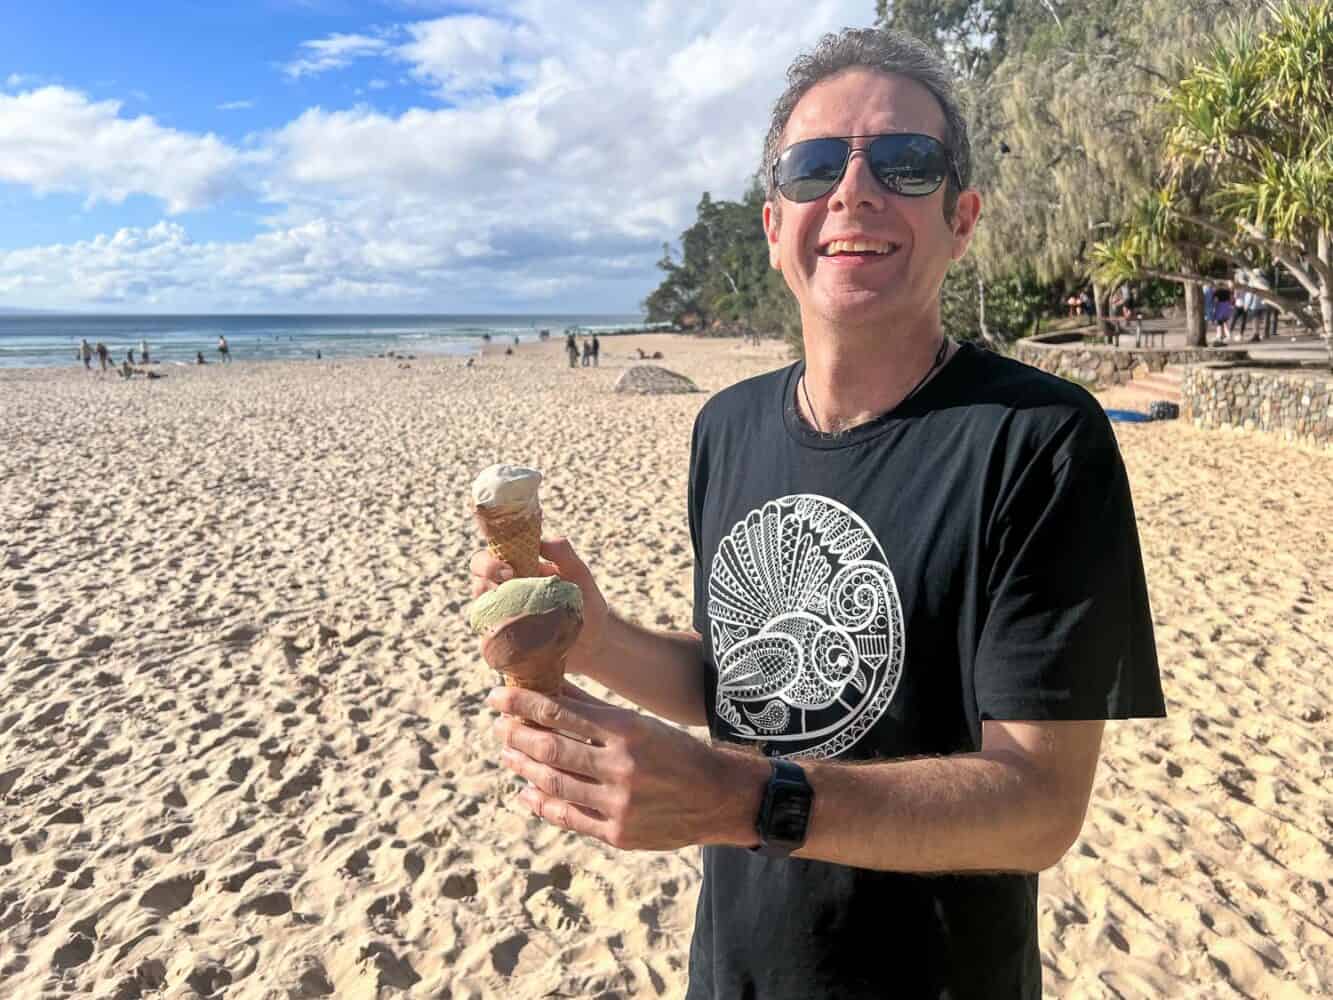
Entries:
{"x":858,"y":248}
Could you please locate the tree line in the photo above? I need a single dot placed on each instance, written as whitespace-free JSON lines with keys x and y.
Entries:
{"x":1168,"y":142}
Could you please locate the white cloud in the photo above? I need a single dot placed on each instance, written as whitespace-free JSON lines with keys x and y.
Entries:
{"x":470,"y":54}
{"x":236,"y":105}
{"x":334,"y":52}
{"x":55,"y":139}
{"x":572,"y":141}
{"x":15,"y":80}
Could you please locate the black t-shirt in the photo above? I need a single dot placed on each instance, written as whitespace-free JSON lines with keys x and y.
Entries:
{"x":970,"y":555}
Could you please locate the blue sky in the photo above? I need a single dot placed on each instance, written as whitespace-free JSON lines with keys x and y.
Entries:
{"x":399,"y":155}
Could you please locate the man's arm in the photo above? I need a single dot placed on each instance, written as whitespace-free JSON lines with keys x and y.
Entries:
{"x":658,"y":670}
{"x":1016,"y":805}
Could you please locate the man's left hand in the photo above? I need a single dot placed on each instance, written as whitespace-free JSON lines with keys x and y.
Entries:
{"x":624,"y":778}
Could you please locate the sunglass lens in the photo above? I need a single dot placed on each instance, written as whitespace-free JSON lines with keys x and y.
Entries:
{"x":810,"y":169}
{"x":911,"y":165}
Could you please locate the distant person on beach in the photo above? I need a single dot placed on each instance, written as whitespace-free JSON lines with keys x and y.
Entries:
{"x":1242,"y":305}
{"x":1223,"y":310}
{"x":572,"y":349}
{"x":918,"y":595}
{"x":129,"y":355}
{"x":596,"y":350}
{"x":143,"y":352}
{"x":224,"y":350}
{"x":103,"y":355}
{"x":199,"y":358}
{"x":86,"y":353}
{"x":587,"y":353}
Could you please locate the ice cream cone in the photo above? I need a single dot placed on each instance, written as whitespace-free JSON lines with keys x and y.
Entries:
{"x":529,"y":651}
{"x":509,"y":515}
{"x":527,"y":626}
{"x":513,"y":538}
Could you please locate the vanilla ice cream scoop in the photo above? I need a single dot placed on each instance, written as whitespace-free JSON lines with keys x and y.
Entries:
{"x":509,"y":515}
{"x":507,"y":489}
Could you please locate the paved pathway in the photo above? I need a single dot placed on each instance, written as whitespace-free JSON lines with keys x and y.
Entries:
{"x":1291,"y":343}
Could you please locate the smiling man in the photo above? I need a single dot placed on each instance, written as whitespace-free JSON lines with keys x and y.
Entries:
{"x":918,"y":596}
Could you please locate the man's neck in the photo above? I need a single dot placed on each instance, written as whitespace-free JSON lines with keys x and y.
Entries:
{"x":853,"y":376}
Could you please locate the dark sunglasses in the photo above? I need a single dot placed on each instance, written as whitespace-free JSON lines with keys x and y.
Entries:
{"x":906,"y":163}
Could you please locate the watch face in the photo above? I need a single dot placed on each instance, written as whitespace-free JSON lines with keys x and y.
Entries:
{"x":790,"y":813}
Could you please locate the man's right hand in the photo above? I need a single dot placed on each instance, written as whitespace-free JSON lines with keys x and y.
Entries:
{"x":558,"y":559}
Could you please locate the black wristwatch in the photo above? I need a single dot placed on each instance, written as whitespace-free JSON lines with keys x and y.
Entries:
{"x":785,"y":811}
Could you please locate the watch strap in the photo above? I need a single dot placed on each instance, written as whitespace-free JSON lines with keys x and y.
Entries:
{"x":787,"y":785}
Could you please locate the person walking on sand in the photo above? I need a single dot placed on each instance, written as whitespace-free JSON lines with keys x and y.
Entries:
{"x":86,"y":353}
{"x":572,"y":349}
{"x":587,"y":353}
{"x":224,"y":350}
{"x":911,"y":618}
{"x":103,"y":355}
{"x":143,"y":351}
{"x":596,"y":350}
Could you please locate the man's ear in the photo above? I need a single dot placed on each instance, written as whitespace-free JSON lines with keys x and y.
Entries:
{"x":965,"y":216}
{"x":771,"y":223}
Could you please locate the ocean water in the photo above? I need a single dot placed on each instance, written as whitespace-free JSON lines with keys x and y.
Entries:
{"x":47,"y":340}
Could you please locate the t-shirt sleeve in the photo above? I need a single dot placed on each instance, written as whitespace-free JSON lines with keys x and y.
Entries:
{"x":1067,"y":632}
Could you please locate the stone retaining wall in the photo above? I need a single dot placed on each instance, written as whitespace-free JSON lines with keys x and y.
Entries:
{"x":1099,"y":366}
{"x":1296,"y":407}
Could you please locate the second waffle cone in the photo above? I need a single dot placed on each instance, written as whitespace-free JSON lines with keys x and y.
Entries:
{"x":514,"y":539}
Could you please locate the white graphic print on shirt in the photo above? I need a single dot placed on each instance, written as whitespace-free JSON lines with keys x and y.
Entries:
{"x":807,"y":627}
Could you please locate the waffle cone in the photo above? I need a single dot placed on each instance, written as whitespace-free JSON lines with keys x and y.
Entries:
{"x":548,"y":681}
{"x":513,"y":539}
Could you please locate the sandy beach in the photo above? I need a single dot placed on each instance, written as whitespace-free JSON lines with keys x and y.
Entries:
{"x":243,"y":750}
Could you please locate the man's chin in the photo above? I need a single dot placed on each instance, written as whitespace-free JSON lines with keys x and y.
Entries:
{"x":868,"y":308}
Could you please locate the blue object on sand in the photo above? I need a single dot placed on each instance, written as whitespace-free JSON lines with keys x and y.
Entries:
{"x":1128,"y":416}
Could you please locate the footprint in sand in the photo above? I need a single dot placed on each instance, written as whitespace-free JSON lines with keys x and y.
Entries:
{"x":304,"y":978}
{"x":74,"y":952}
{"x":505,"y":955}
{"x":266,"y":904}
{"x":171,"y":894}
{"x":459,"y":886}
{"x":356,"y":862}
{"x":553,"y":910}
{"x":234,"y":881}
{"x":383,"y":969}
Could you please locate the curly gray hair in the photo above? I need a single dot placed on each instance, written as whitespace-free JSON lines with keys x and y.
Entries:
{"x":886,"y":52}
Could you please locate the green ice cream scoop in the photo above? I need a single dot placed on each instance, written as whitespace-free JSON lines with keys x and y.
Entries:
{"x":528,"y":626}
{"x":524,"y":596}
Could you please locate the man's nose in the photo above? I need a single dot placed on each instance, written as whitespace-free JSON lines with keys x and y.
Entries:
{"x":858,"y":187}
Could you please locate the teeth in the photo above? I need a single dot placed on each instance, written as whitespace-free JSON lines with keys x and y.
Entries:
{"x":859,"y":246}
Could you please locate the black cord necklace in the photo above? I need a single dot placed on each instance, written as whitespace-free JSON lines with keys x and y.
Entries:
{"x":934,"y":365}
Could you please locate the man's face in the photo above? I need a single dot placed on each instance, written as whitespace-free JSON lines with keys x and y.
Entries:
{"x":902,"y":285}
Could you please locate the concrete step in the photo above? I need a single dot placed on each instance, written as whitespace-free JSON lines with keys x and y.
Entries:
{"x":1171,"y":373}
